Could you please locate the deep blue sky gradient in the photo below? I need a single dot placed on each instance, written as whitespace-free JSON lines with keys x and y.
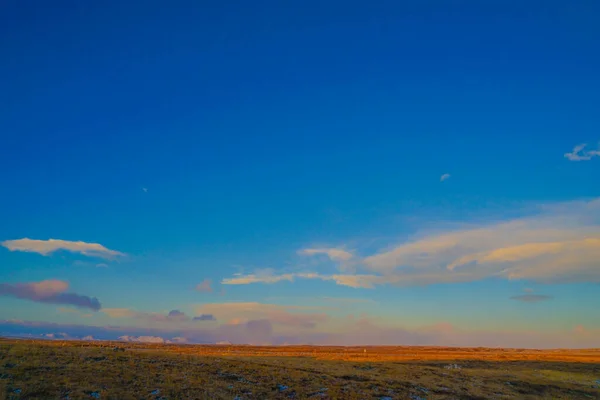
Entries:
{"x":262,"y":127}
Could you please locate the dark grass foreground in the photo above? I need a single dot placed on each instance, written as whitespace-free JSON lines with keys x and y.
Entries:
{"x":75,"y":370}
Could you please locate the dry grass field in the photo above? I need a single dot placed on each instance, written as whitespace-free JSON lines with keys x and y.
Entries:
{"x":110,"y":370}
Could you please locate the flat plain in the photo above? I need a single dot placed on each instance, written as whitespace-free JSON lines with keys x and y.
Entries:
{"x":37,"y":369}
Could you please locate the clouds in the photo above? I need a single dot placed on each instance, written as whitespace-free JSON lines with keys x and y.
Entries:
{"x":531,"y":298}
{"x":351,"y":280}
{"x":49,"y":291}
{"x":352,"y":331}
{"x":172,"y":317}
{"x":559,"y":243}
{"x":204,"y":286}
{"x":176,"y":315}
{"x":240,"y":279}
{"x":142,"y":339}
{"x":579,"y":153}
{"x":333,"y":253}
{"x":364,"y":281}
{"x":48,"y":288}
{"x":344,"y":259}
{"x":120,"y":312}
{"x":237,"y":313}
{"x":46,"y":247}
{"x":444,"y":177}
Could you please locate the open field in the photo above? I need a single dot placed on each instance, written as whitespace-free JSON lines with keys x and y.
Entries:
{"x":86,"y":370}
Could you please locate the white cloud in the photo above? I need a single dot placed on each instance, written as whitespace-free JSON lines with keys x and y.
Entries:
{"x":444,"y":177}
{"x":579,"y":153}
{"x":351,"y":280}
{"x":332,"y":253}
{"x":45,"y":247}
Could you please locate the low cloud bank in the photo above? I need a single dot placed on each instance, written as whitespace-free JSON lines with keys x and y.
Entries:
{"x":358,"y":332}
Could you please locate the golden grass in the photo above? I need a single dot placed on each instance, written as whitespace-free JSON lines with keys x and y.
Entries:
{"x":81,"y":370}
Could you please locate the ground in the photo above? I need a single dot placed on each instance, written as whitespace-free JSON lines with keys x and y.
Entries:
{"x":86,"y":370}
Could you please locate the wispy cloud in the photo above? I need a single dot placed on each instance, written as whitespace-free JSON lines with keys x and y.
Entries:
{"x":46,"y":247}
{"x":531,"y":298}
{"x":351,"y":280}
{"x":49,"y":291}
{"x":444,"y":177}
{"x":241,"y":312}
{"x":559,"y":243}
{"x":173,"y":316}
{"x":332,"y":253}
{"x":240,"y":279}
{"x":580,"y":154}
{"x":204,"y":286}
{"x":88,"y":263}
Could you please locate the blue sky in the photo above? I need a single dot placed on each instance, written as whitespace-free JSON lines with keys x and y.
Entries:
{"x":405,"y":167}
